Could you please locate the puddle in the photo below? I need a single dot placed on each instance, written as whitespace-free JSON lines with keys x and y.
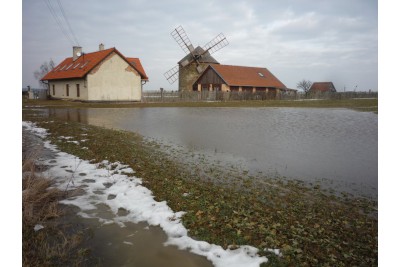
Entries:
{"x":114,"y":243}
{"x":135,"y":244}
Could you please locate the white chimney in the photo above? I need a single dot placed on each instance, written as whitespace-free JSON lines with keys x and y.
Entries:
{"x":101,"y":47}
{"x":76,"y":52}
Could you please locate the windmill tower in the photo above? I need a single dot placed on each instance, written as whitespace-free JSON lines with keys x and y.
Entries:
{"x":196,"y":60}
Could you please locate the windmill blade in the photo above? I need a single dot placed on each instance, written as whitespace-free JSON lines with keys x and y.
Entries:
{"x":182,"y":39}
{"x":172,"y":74}
{"x":215,"y":44}
{"x":199,"y":69}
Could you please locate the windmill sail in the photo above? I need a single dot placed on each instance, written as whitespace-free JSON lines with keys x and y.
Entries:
{"x":199,"y":55}
{"x":216,"y":44}
{"x":182,"y":39}
{"x":172,"y":74}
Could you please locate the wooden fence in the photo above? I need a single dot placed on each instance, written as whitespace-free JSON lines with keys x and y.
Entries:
{"x":194,"y":96}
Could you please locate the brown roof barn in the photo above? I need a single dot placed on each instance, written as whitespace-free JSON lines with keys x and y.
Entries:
{"x":322,"y":87}
{"x":227,"y":78}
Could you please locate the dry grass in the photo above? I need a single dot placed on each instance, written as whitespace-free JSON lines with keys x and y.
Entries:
{"x":56,"y":244}
{"x":39,"y":203}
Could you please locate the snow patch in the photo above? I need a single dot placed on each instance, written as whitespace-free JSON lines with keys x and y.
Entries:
{"x":38,"y":227}
{"x":30,"y":126}
{"x":136,"y":199}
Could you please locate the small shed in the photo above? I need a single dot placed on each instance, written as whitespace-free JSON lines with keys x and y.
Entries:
{"x":322,"y":87}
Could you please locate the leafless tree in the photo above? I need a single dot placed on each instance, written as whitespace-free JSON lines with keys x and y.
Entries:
{"x":304,"y":85}
{"x":44,"y":69}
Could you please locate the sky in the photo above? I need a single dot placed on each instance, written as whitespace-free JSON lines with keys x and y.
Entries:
{"x":295,"y":39}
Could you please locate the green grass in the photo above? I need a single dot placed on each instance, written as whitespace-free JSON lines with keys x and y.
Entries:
{"x":309,"y":225}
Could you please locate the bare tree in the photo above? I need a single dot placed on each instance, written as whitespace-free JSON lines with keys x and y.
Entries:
{"x":44,"y":69}
{"x":304,"y":85}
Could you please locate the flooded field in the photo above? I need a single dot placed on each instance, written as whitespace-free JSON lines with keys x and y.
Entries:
{"x":340,"y":218}
{"x":337,"y":146}
{"x":112,"y":244}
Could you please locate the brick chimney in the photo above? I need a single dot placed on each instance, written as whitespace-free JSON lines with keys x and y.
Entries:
{"x":76,"y":52}
{"x":101,"y":47}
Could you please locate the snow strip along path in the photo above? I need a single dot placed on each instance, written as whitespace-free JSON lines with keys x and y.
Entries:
{"x":120,"y":191}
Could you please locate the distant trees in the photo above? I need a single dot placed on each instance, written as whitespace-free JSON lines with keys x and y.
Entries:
{"x":304,"y":85}
{"x":44,"y":69}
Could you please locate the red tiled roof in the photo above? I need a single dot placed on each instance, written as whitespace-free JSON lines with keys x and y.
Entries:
{"x":322,"y":87}
{"x":138,"y":66}
{"x":247,"y":76}
{"x":69,"y":69}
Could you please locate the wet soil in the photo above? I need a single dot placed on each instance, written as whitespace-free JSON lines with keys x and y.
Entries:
{"x":111,"y":244}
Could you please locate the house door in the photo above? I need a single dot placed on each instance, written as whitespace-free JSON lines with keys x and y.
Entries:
{"x":216,"y":87}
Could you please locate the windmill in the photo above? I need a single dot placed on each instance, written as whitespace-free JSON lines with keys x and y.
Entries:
{"x":196,"y":60}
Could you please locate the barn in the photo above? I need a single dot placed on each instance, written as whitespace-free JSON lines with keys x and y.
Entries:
{"x":104,"y":75}
{"x":229,"y":78}
{"x":322,"y":87}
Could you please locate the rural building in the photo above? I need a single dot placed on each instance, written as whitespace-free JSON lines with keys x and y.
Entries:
{"x":31,"y":93}
{"x":104,"y":75}
{"x":190,"y":72}
{"x":322,"y":87}
{"x":228,"y":78}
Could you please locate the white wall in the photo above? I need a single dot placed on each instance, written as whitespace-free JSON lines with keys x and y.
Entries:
{"x":114,"y":80}
{"x":61,"y":91}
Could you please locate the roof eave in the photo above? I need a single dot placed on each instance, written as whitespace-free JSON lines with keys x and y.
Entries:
{"x":65,"y":78}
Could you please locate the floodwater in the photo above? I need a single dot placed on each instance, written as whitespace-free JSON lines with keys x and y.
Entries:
{"x":135,"y":244}
{"x":338,"y":146}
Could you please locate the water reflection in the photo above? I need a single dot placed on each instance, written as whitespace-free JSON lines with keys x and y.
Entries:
{"x":338,"y":145}
{"x":78,"y":115}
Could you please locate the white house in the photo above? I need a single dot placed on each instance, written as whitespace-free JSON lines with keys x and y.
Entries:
{"x":104,"y":75}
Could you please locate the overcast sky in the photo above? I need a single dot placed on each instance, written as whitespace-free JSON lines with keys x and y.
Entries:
{"x":325,"y":40}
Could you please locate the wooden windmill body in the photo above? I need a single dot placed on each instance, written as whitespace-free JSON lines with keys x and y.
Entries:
{"x":196,"y":60}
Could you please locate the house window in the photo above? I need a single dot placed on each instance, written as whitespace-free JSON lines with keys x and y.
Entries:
{"x":78,"y":93}
{"x":54,"y":90}
{"x":67,"y":93}
{"x":69,"y":66}
{"x":261,"y":75}
{"x":84,"y":64}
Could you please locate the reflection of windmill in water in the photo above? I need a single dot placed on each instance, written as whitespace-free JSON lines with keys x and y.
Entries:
{"x":195,"y":62}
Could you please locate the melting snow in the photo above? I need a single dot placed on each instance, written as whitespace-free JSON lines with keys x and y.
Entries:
{"x":38,"y":227}
{"x":136,"y":199}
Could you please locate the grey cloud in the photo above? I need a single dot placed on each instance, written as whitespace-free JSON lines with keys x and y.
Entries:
{"x":295,"y":39}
